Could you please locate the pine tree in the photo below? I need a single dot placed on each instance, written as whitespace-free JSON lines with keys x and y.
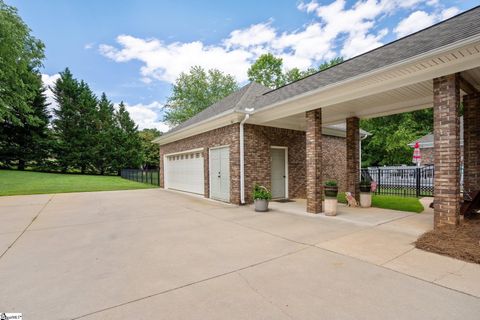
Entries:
{"x":105,"y":147}
{"x":127,"y":141}
{"x":75,"y":123}
{"x":27,"y":139}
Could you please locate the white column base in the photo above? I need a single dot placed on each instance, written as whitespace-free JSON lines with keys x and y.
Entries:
{"x":365,"y":199}
{"x":331,"y":206}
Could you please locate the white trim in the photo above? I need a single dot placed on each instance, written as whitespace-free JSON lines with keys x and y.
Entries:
{"x":377,"y":71}
{"x":183,"y":152}
{"x":219,"y":147}
{"x":286,"y":167}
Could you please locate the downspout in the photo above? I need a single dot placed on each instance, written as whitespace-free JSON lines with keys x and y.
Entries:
{"x":242,"y":159}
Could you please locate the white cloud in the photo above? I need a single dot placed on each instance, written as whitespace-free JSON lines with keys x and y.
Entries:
{"x":147,"y":115}
{"x":338,"y":28}
{"x":448,"y":13}
{"x":254,"y":35}
{"x":89,"y":46}
{"x":419,"y":20}
{"x":49,"y":82}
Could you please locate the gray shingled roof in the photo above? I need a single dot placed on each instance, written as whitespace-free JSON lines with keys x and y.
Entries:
{"x":457,"y":28}
{"x":238,"y":100}
{"x":460,"y":27}
{"x":427,"y":140}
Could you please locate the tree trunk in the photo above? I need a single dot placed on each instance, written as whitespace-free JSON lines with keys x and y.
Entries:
{"x":21,"y":165}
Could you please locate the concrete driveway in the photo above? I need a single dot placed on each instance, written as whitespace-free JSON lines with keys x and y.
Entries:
{"x":154,"y":254}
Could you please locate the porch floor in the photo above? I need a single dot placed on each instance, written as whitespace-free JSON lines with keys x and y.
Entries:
{"x":416,"y":223}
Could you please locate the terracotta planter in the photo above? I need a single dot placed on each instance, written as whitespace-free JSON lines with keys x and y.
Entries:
{"x":261,"y":205}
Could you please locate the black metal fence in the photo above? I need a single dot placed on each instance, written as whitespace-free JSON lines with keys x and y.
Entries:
{"x":402,"y":181}
{"x":151,"y":176}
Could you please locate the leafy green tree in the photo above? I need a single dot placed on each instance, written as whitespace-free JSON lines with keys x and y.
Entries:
{"x":329,"y":64}
{"x":128,"y":148}
{"x":196,"y":90}
{"x":267,"y":70}
{"x":150,"y":150}
{"x":388,"y":144}
{"x":21,"y":55}
{"x":105,"y":131}
{"x":27,"y":141}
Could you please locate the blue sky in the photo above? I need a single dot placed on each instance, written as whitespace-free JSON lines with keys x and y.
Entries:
{"x":134,"y":50}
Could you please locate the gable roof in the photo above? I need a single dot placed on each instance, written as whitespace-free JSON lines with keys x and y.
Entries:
{"x":427,"y":140}
{"x":448,"y":32}
{"x":236,"y":101}
{"x":457,"y":28}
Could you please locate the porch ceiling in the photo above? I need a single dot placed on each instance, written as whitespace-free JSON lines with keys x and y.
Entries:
{"x":400,"y":88}
{"x":408,"y":98}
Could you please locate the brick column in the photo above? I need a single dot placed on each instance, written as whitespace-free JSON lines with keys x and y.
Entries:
{"x":314,"y":161}
{"x":353,"y":157}
{"x":446,"y":99}
{"x":471,"y":141}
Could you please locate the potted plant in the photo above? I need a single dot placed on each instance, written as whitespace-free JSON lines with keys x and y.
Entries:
{"x":365,"y":192}
{"x":261,"y":197}
{"x":331,"y":191}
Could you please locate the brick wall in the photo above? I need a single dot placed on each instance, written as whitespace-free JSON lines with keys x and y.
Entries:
{"x":259,"y":139}
{"x":446,"y":100}
{"x":428,"y":155}
{"x":228,"y":135}
{"x":353,"y":155}
{"x":471,"y":134}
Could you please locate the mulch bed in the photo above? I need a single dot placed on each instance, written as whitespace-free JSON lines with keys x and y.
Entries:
{"x":460,"y":243}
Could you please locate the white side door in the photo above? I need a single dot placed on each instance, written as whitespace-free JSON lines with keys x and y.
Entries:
{"x":279,"y":172}
{"x":220,"y":174}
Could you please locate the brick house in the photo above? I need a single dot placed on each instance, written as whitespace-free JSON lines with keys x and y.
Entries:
{"x":293,"y":138}
{"x":427,"y":146}
{"x":273,"y":156}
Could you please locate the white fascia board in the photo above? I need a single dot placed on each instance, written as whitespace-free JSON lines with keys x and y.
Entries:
{"x":223,"y":119}
{"x":346,"y":90}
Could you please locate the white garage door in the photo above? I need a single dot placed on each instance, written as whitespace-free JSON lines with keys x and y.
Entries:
{"x":184,"y":172}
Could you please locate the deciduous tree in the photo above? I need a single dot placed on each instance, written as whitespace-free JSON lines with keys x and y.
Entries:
{"x":196,"y":90}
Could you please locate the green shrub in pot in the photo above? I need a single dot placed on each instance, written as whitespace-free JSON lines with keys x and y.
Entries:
{"x":261,"y":197}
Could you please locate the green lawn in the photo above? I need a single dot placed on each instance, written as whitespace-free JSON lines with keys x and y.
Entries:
{"x":391,"y":202}
{"x":27,"y":182}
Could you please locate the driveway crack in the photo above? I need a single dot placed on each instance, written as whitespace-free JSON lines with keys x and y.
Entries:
{"x":26,"y":228}
{"x":263,"y":296}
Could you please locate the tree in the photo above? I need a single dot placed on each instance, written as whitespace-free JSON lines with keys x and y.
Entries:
{"x":27,"y":140}
{"x":75,"y":123}
{"x":105,"y":126}
{"x":21,"y":55}
{"x":196,"y":90}
{"x":388,"y":144}
{"x":267,"y":70}
{"x":150,"y":150}
{"x":128,"y":152}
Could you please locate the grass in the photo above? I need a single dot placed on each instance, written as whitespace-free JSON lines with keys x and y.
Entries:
{"x":14,"y":182}
{"x":409,"y":204}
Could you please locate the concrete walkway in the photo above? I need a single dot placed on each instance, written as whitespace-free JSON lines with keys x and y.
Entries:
{"x":154,"y":254}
